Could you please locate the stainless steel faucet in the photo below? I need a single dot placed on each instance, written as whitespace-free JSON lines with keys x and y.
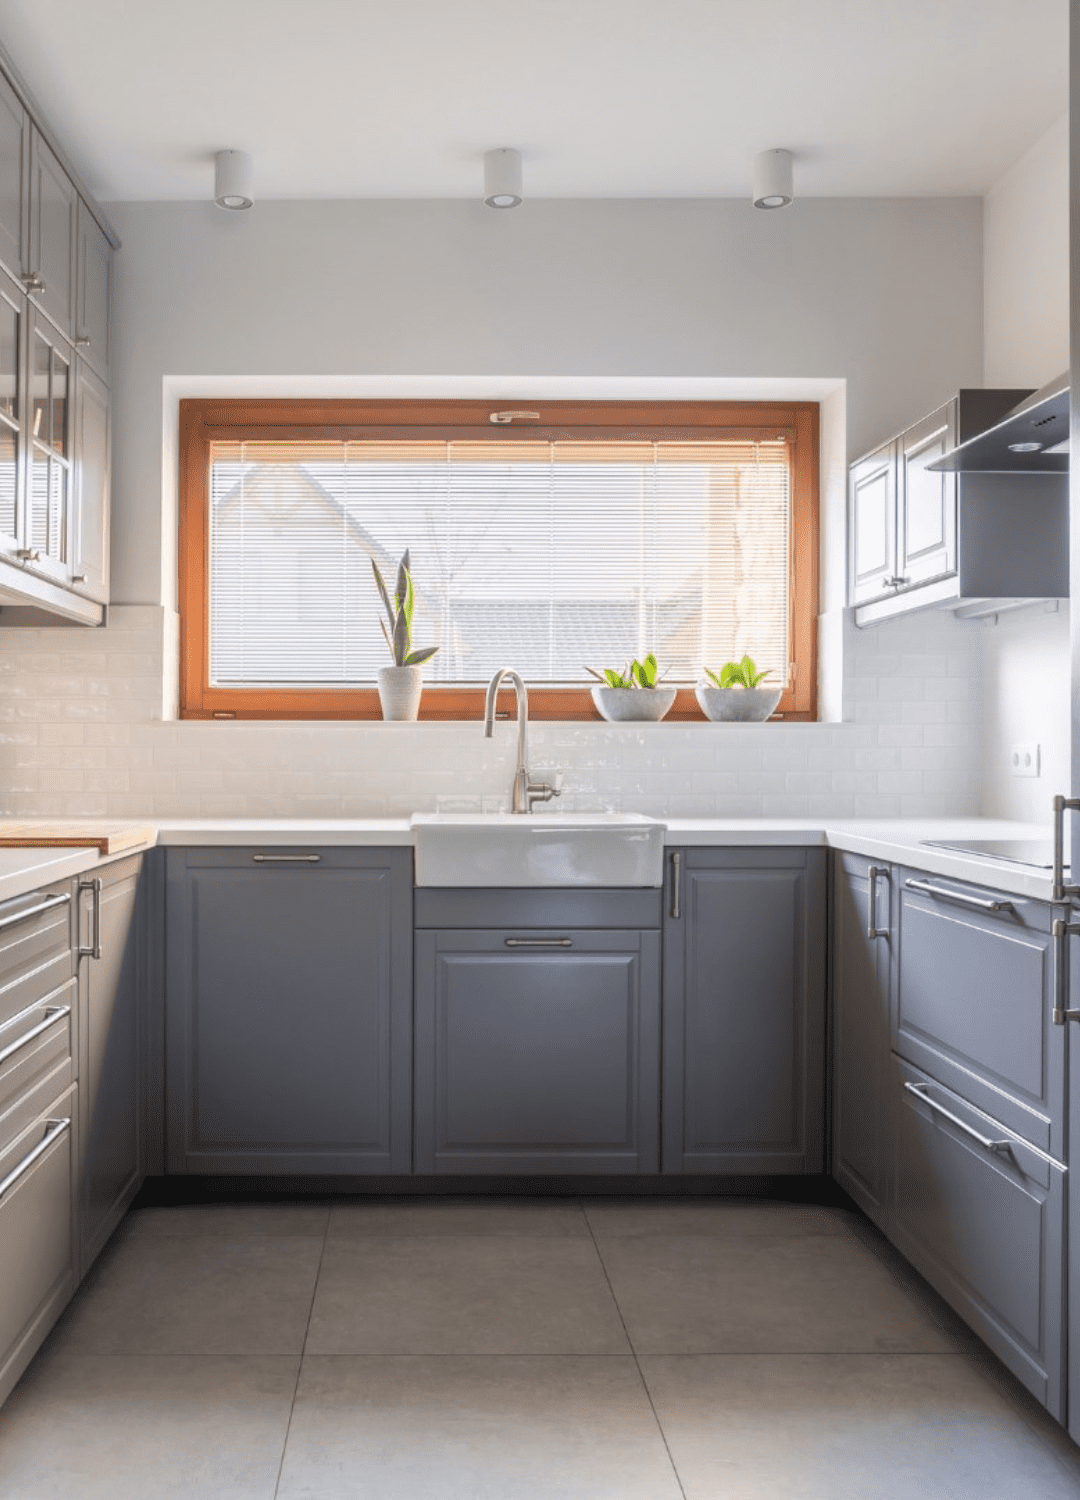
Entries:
{"x":524,"y":792}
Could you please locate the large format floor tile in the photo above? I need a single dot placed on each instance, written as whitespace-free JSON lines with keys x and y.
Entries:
{"x":84,"y":1427}
{"x":477,"y":1217}
{"x":729,"y":1218}
{"x":231,"y":1220}
{"x":474,"y":1429}
{"x":460,"y":1295}
{"x":195,"y":1295}
{"x":699,"y":1294}
{"x":845,"y":1427}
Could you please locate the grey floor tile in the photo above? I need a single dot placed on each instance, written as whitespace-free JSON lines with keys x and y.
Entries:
{"x":455,"y":1216}
{"x":234,"y":1220}
{"x":457,"y":1295}
{"x":474,"y":1429}
{"x":846,"y":1427}
{"x":727,"y":1217}
{"x":194,"y":1295}
{"x":82,"y":1427}
{"x":700,"y":1294}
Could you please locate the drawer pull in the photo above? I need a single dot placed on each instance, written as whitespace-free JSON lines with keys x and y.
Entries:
{"x":34,"y":911}
{"x":676,"y":883}
{"x":286,"y":859}
{"x":872,"y":929}
{"x":978,"y":903}
{"x":1061,"y":932}
{"x":54,"y":1128}
{"x":919,"y":1090}
{"x":52,"y":1015}
{"x":94,"y":950}
{"x":539,"y":942}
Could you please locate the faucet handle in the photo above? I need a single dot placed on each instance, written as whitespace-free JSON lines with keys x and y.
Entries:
{"x":543,"y":791}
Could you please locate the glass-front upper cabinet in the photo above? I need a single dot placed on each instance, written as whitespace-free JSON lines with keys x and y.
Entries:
{"x":12,"y":401}
{"x":48,"y":490}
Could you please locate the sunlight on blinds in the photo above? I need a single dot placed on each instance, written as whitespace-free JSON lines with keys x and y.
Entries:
{"x":542,"y":555}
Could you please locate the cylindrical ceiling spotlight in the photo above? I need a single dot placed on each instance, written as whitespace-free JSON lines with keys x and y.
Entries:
{"x":234,"y":177}
{"x":772,"y":179}
{"x":502,"y":178}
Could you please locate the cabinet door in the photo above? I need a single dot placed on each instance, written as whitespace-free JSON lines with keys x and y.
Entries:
{"x":744,"y":1011}
{"x":90,"y":507}
{"x":872,"y":525}
{"x":13,"y":324}
{"x":53,"y":219}
{"x":860,"y":1030}
{"x":537,"y":1051}
{"x":94,"y":293}
{"x":49,"y":448}
{"x":110,"y":974}
{"x":289,"y":1010}
{"x":14,"y":182}
{"x":927,"y":501}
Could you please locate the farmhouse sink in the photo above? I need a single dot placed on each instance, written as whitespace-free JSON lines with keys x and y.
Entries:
{"x":548,"y":849}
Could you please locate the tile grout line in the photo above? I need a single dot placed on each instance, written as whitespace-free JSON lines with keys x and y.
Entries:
{"x":303,"y":1350}
{"x":633,"y":1351}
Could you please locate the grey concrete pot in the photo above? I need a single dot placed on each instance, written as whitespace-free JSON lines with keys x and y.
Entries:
{"x":633,"y":705}
{"x":737,"y":704}
{"x":399,"y":691}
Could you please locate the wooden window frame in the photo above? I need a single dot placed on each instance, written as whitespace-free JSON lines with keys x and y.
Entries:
{"x":203,"y":422}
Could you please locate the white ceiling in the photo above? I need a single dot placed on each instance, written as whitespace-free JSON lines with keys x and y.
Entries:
{"x":605,"y":98}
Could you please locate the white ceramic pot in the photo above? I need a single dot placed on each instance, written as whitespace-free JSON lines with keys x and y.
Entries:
{"x":737,"y":704}
{"x":399,"y":691}
{"x":633,"y":705}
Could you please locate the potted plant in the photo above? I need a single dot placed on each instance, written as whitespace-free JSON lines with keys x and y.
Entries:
{"x":632,"y":694}
{"x":400,"y":686}
{"x":737,"y":693}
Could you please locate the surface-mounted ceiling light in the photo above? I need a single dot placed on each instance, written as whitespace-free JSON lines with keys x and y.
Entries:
{"x":502,"y":178}
{"x":772,"y":179}
{"x":234,"y":176}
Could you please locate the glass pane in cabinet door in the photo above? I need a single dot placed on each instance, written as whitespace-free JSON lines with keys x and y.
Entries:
{"x":9,"y":360}
{"x":57,"y":510}
{"x":9,"y":455}
{"x":42,"y":365}
{"x":39,"y":499}
{"x":61,"y":380}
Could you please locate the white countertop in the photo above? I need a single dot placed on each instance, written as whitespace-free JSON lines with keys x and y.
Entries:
{"x":21,"y":870}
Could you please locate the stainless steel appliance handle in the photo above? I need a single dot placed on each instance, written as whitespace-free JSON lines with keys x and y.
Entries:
{"x":34,"y":911}
{"x":286,"y":859}
{"x":1062,"y":805}
{"x":53,"y":1013}
{"x":918,"y":1089}
{"x":940,"y":893}
{"x":562,"y":942}
{"x":676,"y":885}
{"x":94,"y":950}
{"x":54,"y":1129}
{"x":872,"y":929}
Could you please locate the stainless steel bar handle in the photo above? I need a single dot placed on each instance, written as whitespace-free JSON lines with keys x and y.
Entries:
{"x":919,"y":1090}
{"x":94,"y":950}
{"x":35,"y":282}
{"x":676,"y":885}
{"x":54,"y":1128}
{"x":1062,"y":805}
{"x":539,"y":942}
{"x":53,"y":1013}
{"x":872,"y":929}
{"x":35,"y":911}
{"x":1061,"y":932}
{"x":286,"y":859}
{"x":961,"y":898}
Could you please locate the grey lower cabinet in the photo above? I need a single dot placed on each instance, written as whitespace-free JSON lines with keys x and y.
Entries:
{"x":288,"y":1010}
{"x":112,"y":968}
{"x":744,"y":1010}
{"x":860,"y":968}
{"x":537,"y":1031}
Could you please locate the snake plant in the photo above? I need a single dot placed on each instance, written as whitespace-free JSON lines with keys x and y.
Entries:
{"x":400,"y":615}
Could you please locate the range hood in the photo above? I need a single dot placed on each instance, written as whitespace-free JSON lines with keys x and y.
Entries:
{"x":1032,"y":439}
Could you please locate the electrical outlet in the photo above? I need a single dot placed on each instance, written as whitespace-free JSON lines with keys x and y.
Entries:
{"x":1024,"y":760}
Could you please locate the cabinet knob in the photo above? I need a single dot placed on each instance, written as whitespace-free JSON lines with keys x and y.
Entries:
{"x":34,"y":282}
{"x":83,"y":341}
{"x":28,"y":554}
{"x":894,"y":583}
{"x":79,"y":577}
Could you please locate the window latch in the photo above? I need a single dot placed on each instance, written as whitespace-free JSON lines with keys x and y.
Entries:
{"x":504,"y":418}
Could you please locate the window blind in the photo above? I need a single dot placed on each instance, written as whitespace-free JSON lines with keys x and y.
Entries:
{"x":545,"y":555}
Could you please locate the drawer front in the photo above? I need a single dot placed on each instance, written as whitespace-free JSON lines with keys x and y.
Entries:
{"x":36,"y":1242}
{"x":35,"y":947}
{"x":973,"y":1002}
{"x":984,"y":1224}
{"x":33,"y":1045}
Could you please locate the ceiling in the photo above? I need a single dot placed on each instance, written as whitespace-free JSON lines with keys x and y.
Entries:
{"x":604,"y":98}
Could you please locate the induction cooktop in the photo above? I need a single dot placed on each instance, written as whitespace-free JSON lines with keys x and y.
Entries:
{"x":1036,"y":852}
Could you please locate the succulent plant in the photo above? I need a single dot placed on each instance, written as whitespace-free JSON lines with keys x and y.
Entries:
{"x":739,"y":674}
{"x":400,"y":614}
{"x":638,"y":674}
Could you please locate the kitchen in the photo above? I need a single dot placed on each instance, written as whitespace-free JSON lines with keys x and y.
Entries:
{"x":878,"y":307}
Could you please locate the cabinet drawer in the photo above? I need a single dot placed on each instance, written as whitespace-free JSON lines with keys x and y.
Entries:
{"x":36,"y":1243}
{"x":35,"y":947}
{"x":33,"y":1044}
{"x":983,"y":1225}
{"x":973,"y":1002}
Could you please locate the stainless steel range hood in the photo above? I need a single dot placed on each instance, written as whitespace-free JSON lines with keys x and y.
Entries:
{"x":1032,"y":439}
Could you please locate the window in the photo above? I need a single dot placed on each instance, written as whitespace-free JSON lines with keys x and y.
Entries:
{"x":576,"y":534}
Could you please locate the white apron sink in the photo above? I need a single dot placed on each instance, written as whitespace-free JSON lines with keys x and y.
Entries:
{"x":539,"y":849}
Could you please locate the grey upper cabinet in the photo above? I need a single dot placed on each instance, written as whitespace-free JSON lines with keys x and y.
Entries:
{"x":537,"y":1040}
{"x":13,"y":326}
{"x":50,"y":446}
{"x":288,"y":1010}
{"x":54,"y":208}
{"x":93,"y":300}
{"x":14,"y":182}
{"x":111,"y":982}
{"x":744,"y":1011}
{"x":926,"y":502}
{"x":872,"y":522}
{"x":90,"y":510}
{"x":860,"y":979}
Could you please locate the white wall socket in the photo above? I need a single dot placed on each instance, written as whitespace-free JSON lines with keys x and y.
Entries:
{"x":1024,"y":760}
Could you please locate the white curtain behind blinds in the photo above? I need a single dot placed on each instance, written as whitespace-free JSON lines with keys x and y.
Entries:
{"x":546,"y":556}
